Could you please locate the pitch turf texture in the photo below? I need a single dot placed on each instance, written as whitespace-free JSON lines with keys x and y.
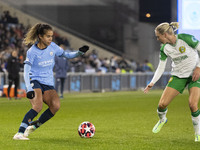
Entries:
{"x":123,"y":121}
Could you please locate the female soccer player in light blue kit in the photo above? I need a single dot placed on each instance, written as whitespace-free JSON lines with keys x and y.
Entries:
{"x":182,"y":49}
{"x":38,"y":76}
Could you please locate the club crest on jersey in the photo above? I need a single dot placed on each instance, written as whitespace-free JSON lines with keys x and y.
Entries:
{"x":51,"y":53}
{"x":182,"y":49}
{"x":170,"y":80}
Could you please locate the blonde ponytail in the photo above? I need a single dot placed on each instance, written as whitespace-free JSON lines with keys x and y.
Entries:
{"x":174,"y":25}
{"x":166,"y":27}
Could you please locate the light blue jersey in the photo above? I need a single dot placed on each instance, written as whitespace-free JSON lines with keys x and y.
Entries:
{"x":42,"y":62}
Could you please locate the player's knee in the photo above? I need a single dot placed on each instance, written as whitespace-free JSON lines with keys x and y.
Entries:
{"x":55,"y":107}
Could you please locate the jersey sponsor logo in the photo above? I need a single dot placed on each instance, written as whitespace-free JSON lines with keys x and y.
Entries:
{"x":179,"y":59}
{"x":46,"y":63}
{"x":170,"y":80}
{"x":182,"y":49}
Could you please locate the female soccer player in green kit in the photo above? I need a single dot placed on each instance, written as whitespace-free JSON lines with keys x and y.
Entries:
{"x":182,"y":49}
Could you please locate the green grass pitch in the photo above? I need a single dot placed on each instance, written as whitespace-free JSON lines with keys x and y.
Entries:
{"x":123,"y":121}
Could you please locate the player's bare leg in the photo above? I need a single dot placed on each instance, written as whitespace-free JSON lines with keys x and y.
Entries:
{"x":51,"y":98}
{"x":193,"y":104}
{"x":36,"y":103}
{"x":167,"y":96}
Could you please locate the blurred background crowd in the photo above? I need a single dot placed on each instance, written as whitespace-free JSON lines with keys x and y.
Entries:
{"x":11,"y":38}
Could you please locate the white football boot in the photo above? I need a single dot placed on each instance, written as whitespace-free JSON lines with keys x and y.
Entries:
{"x":29,"y":130}
{"x":19,"y":136}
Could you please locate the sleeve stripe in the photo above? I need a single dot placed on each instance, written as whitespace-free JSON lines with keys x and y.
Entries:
{"x":27,"y":62}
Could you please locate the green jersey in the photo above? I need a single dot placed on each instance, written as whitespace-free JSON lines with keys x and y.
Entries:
{"x":183,"y":54}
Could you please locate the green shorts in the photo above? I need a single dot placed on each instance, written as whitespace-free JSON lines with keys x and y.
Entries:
{"x":180,"y":83}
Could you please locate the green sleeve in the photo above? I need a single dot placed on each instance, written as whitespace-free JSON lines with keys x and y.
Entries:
{"x":163,"y":56}
{"x":189,"y":39}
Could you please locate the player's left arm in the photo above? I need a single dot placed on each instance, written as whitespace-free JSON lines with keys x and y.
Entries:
{"x":196,"y":73}
{"x":82,"y":50}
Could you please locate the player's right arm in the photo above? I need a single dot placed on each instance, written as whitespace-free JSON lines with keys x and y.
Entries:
{"x":27,"y":68}
{"x":157,"y":75}
{"x":159,"y":71}
{"x":30,"y":92}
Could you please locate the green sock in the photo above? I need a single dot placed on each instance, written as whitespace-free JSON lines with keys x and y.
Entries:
{"x":162,"y":110}
{"x":196,"y":113}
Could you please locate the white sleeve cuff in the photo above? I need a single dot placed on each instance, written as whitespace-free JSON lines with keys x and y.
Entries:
{"x":159,"y":71}
{"x":198,"y":65}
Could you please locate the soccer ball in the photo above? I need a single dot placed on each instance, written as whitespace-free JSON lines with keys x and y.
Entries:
{"x":86,"y":129}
